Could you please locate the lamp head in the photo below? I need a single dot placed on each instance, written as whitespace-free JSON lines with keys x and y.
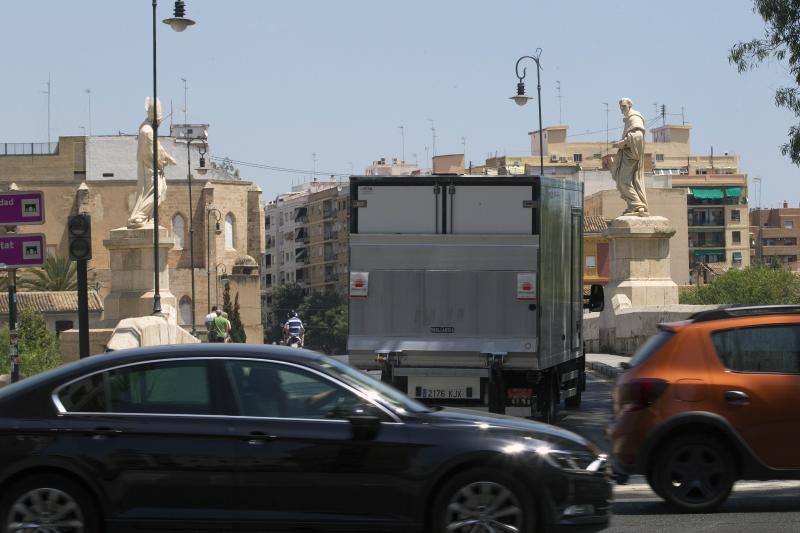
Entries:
{"x":520,"y":99}
{"x":179,"y":22}
{"x":202,"y":169}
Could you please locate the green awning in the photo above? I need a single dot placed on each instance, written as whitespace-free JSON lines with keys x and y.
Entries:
{"x":733,"y":191}
{"x":708,"y":252}
{"x":708,"y":193}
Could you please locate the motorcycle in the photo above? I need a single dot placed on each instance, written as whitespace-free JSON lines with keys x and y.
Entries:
{"x":294,"y":341}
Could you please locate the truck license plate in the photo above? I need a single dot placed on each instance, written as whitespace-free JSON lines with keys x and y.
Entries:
{"x":443,"y":388}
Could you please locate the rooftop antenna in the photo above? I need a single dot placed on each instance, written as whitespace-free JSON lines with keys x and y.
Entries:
{"x":683,"y":116}
{"x":558,"y":88}
{"x":433,"y":133}
{"x":185,"y":101}
{"x":89,"y":94}
{"x":171,"y":114}
{"x":403,"y":136}
{"x":314,"y":157}
{"x":663,"y":115}
{"x":48,"y":92}
{"x":606,"y":104}
{"x":464,"y":146}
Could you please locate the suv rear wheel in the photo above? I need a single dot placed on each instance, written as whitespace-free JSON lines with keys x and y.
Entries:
{"x":693,"y":472}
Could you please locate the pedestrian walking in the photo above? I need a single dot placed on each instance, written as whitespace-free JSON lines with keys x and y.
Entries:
{"x":209,"y":321}
{"x":221,"y":327}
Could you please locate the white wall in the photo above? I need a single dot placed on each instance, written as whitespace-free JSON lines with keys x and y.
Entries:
{"x":116,"y":155}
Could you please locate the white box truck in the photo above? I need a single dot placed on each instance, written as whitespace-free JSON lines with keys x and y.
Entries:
{"x":469,"y":289}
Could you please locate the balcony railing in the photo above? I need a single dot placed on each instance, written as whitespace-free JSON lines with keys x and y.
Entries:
{"x":328,"y":213}
{"x":331,"y":278}
{"x":714,"y":221}
{"x":706,"y":244}
{"x":331,"y":256}
{"x":28,"y":148}
{"x":331,"y":235}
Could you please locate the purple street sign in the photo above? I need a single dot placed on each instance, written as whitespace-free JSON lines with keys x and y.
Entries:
{"x":18,"y":251}
{"x":21,"y":207}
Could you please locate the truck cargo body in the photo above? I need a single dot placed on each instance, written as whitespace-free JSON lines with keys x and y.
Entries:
{"x":468,"y":287}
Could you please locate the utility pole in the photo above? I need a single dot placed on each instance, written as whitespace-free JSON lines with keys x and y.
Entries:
{"x":13,"y":348}
{"x":558,"y":88}
{"x":663,"y":115}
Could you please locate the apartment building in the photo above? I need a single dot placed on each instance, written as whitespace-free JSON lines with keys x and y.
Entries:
{"x":327,"y":246}
{"x":774,"y":236}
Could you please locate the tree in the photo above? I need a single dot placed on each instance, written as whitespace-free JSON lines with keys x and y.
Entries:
{"x":755,"y":285}
{"x":781,"y":42}
{"x":284,"y":299}
{"x":57,"y":274}
{"x":237,"y":328}
{"x":325,"y":317}
{"x":37,"y":346}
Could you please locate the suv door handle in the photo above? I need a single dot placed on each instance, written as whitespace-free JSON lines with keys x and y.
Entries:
{"x":736,"y":396}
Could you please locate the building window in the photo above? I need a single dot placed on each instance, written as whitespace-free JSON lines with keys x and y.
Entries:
{"x":185,"y":308}
{"x":230,"y":233}
{"x":179,"y":231}
{"x":659,"y":157}
{"x":788,"y":224}
{"x":597,"y":156}
{"x":577,"y":157}
{"x":591,"y":261}
{"x":736,"y":215}
{"x":737,"y":258}
{"x":737,"y":237}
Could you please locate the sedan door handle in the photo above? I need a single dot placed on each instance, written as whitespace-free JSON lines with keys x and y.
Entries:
{"x":258,"y":437}
{"x":736,"y":396}
{"x":101,"y":433}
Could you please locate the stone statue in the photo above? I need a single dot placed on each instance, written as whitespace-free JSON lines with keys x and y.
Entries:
{"x":142,"y":212}
{"x":627,"y":167}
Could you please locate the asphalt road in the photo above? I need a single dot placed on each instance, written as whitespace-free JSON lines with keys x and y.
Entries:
{"x":772,"y":507}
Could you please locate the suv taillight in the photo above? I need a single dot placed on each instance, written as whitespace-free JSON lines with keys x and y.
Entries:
{"x":641,"y":393}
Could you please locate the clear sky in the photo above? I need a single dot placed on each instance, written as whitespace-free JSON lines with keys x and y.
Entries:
{"x":280,"y":80}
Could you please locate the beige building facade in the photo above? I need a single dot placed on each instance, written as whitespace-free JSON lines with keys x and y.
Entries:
{"x":776,"y":236}
{"x":227,"y":214}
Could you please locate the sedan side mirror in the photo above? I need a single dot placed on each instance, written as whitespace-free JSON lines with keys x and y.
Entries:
{"x":365,"y":422}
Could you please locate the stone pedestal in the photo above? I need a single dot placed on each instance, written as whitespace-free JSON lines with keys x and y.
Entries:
{"x":639,"y":269}
{"x":132,"y":279}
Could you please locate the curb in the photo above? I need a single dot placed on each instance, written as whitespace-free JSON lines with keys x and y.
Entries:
{"x":604,"y":369}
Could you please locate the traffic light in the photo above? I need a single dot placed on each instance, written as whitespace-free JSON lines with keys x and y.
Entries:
{"x":80,"y":237}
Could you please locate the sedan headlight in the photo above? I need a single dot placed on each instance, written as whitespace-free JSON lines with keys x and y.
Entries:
{"x":573,"y":460}
{"x":561,"y":455}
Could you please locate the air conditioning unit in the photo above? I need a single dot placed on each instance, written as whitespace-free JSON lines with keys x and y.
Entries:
{"x":554,"y":159}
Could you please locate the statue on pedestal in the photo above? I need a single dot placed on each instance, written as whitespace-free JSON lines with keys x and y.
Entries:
{"x":627,"y":167}
{"x":142,"y":212}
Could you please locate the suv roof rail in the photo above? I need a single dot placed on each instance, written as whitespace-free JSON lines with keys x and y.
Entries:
{"x":743,"y":311}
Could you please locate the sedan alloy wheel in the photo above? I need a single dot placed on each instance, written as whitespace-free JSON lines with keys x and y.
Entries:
{"x":46,"y":510}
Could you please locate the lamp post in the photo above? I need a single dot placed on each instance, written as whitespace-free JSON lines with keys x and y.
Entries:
{"x":201,"y":170}
{"x":217,"y":268}
{"x":520,"y":99}
{"x":178,"y":23}
{"x":218,"y":218}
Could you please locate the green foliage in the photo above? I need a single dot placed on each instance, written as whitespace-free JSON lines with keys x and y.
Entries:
{"x":237,"y":328}
{"x":38,"y":347}
{"x":57,"y":274}
{"x":324,"y":315}
{"x":781,"y":42}
{"x":755,"y":285}
{"x":284,"y":299}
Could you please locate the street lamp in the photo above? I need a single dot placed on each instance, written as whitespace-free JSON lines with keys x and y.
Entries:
{"x":202,"y":150}
{"x":217,"y":230}
{"x":177,"y":23}
{"x":217,"y":268}
{"x":520,"y":99}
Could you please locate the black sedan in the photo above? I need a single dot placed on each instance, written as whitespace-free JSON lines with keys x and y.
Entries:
{"x":218,"y":437}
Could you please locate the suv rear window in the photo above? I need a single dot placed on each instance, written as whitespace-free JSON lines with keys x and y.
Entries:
{"x":760,"y":349}
{"x":650,"y":347}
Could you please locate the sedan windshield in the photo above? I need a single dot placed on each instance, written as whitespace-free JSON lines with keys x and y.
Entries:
{"x":372,"y":387}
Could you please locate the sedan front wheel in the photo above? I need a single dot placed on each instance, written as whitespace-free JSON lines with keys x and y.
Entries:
{"x":47,"y":503}
{"x":484,"y":500}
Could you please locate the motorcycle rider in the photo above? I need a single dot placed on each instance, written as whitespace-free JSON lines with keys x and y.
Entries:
{"x":294,"y":327}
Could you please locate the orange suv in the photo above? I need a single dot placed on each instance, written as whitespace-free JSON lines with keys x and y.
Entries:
{"x":710,"y":401}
